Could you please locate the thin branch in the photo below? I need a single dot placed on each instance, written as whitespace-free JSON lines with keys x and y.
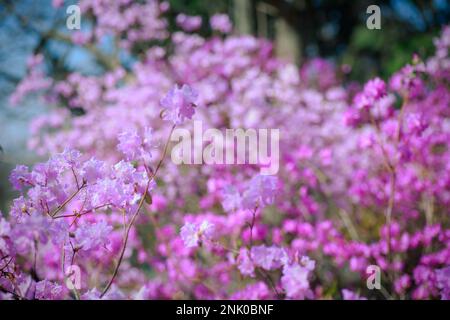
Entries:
{"x":133,"y":218}
{"x":61,"y":206}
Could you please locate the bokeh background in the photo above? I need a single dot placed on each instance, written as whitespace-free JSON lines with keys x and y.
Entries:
{"x":300,"y":29}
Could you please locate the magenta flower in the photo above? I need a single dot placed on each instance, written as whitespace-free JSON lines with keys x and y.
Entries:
{"x":134,"y":146}
{"x":443,"y":282}
{"x":375,"y":89}
{"x":179,"y":104}
{"x":268,"y":258}
{"x":336,"y":185}
{"x":20,"y":177}
{"x":189,"y":23}
{"x":350,"y":295}
{"x":231,"y":199}
{"x":295,"y":281}
{"x":129,"y":144}
{"x":92,"y":170}
{"x":47,"y":290}
{"x":261,"y":192}
{"x":221,"y":22}
{"x":245,"y":264}
{"x":21,"y":207}
{"x":93,"y":236}
{"x":194,"y":234}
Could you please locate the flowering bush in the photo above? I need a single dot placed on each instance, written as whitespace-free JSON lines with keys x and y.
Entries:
{"x":364,"y":176}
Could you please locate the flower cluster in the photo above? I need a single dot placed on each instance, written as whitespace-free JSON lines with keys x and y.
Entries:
{"x":364,"y":174}
{"x":71,"y":210}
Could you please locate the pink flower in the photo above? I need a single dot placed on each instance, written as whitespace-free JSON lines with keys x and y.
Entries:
{"x":350,"y":295}
{"x":57,"y":3}
{"x":268,"y":257}
{"x":5,"y":229}
{"x":135,"y":146}
{"x":375,"y":89}
{"x":129,"y":144}
{"x":443,"y":282}
{"x":20,"y":177}
{"x":92,"y":170}
{"x":221,"y":22}
{"x":92,"y":236}
{"x":189,"y":23}
{"x":402,"y":283}
{"x":256,"y":291}
{"x":245,"y":264}
{"x":179,"y":104}
{"x":21,"y":207}
{"x":194,"y":235}
{"x":231,"y":199}
{"x":295,"y":281}
{"x":47,"y":290}
{"x":261,"y":192}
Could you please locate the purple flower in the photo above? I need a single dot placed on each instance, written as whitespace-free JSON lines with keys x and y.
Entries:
{"x":194,"y":234}
{"x":375,"y":89}
{"x":179,"y":104}
{"x":189,"y":23}
{"x":443,"y":282}
{"x":20,"y":208}
{"x":350,"y":295}
{"x":231,"y":199}
{"x":256,"y":291}
{"x":307,"y":263}
{"x":124,"y":171}
{"x":5,"y":229}
{"x":92,"y":236}
{"x":245,"y":264}
{"x":268,"y":258}
{"x":20,"y":177}
{"x":130,"y":144}
{"x":59,"y":231}
{"x":92,"y":170}
{"x":261,"y":192}
{"x":92,"y":294}
{"x":47,"y":290}
{"x":135,"y":146}
{"x":113,"y":294}
{"x":295,"y":281}
{"x":362,"y":102}
{"x":402,"y":283}
{"x":69,"y":158}
{"x":221,"y":22}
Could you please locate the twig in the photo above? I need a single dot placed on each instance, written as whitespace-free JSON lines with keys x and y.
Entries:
{"x":133,"y":218}
{"x":61,"y":206}
{"x":252,"y":226}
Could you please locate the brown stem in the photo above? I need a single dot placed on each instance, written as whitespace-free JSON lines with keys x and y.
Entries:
{"x":133,"y":218}
{"x":16,"y":296}
{"x":252,"y":226}
{"x":392,"y":168}
{"x":79,"y":214}
{"x":269,"y":280}
{"x":61,"y":206}
{"x":389,"y":210}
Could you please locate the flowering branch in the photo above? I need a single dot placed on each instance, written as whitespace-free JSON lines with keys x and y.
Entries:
{"x":133,"y":218}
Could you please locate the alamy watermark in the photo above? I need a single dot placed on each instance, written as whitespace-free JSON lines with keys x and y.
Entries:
{"x":73,"y":21}
{"x":374,"y":277}
{"x":73,"y":277}
{"x":232,"y":147}
{"x":374,"y":20}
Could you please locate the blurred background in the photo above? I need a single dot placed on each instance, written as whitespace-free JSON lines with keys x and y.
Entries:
{"x":300,"y":30}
